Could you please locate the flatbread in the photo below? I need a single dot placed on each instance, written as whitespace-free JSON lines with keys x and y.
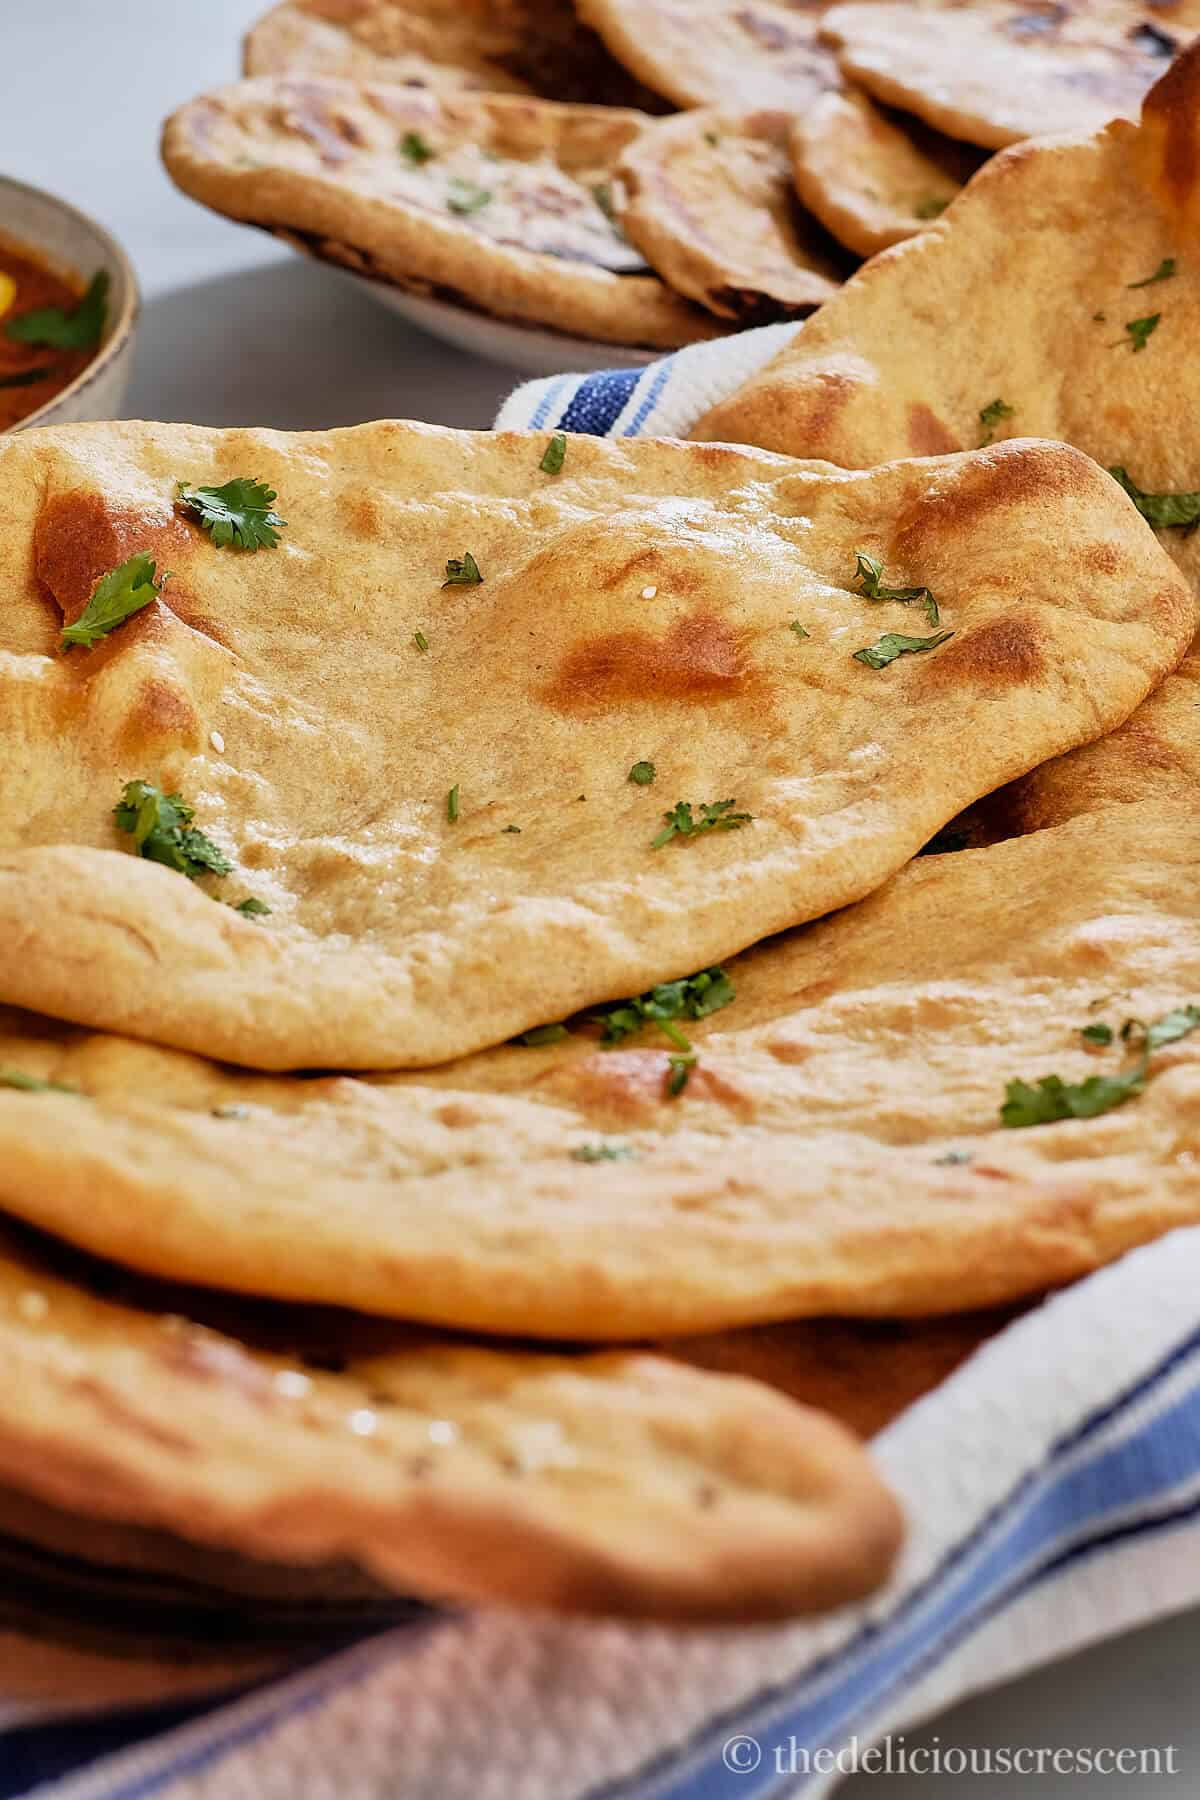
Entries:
{"x":870,"y":179}
{"x":635,"y":607}
{"x":708,"y":199}
{"x":994,"y":73}
{"x":719,"y":52}
{"x":838,"y":1148}
{"x":931,"y":334}
{"x":488,"y":200}
{"x":490,"y":46}
{"x":616,"y":1483}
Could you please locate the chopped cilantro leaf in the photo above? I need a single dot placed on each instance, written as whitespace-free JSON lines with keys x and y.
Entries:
{"x":869,"y":573}
{"x":692,"y":997}
{"x":462,"y":571}
{"x":115,"y":598}
{"x":1160,"y":510}
{"x":1164,"y":272}
{"x":712,"y":139}
{"x":1051,"y":1098}
{"x":716,"y":815}
{"x":555,"y":455}
{"x":237,"y":515}
{"x":954,"y":1159}
{"x":642,"y":774}
{"x":799,"y":629}
{"x":1140,"y":330}
{"x":1167,"y":1030}
{"x":602,"y":1153}
{"x":542,"y":1034}
{"x":414,"y":149}
{"x":989,"y":417}
{"x":421,"y":641}
{"x":891,"y":645}
{"x":30,"y":1084}
{"x":466,"y":197}
{"x":162,"y":831}
{"x":250,"y":908}
{"x":514,"y":829}
{"x":452,"y":805}
{"x":931,"y":208}
{"x":54,"y":329}
{"x":1096,"y":1034}
{"x":681,"y":1071}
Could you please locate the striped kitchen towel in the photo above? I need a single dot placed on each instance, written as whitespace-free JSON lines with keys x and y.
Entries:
{"x":1052,"y":1486}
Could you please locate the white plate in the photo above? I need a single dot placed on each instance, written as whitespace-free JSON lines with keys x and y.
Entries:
{"x":524,"y":347}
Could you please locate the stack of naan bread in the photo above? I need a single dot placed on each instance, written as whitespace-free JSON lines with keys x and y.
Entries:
{"x":511,"y":156}
{"x":529,"y":1020}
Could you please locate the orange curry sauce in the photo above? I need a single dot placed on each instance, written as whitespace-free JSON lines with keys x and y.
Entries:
{"x":37,"y":286}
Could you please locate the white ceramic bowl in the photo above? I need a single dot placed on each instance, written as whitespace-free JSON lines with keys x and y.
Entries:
{"x":73,"y":244}
{"x":527,"y":348}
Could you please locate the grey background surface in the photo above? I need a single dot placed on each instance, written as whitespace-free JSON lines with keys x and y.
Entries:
{"x":239,"y":331}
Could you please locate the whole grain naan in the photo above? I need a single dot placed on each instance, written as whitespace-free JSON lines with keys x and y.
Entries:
{"x":492,"y":201}
{"x":838,"y":1147}
{"x":995,"y":71}
{"x":613,"y":1483}
{"x":431,"y":786}
{"x":491,"y":46}
{"x":708,"y":199}
{"x":734,"y":53}
{"x":871,"y":179}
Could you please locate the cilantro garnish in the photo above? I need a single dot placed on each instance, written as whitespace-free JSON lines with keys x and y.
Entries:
{"x":238,"y":514}
{"x":115,"y":598}
{"x":26,"y":377}
{"x":712,"y":138}
{"x":421,"y":641}
{"x":1096,"y":1034}
{"x":250,"y":908}
{"x":799,"y":629}
{"x":715,"y":815}
{"x":161,"y":826}
{"x":1161,"y":510}
{"x":933,"y":208}
{"x":414,"y":149}
{"x":556,"y":450}
{"x":681,"y":1071}
{"x":869,"y":573}
{"x":1140,"y":331}
{"x":452,"y":805}
{"x":891,"y":645}
{"x":462,"y":571}
{"x":990,"y":416}
{"x":642,"y":774}
{"x":1051,"y":1098}
{"x":954,"y":1159}
{"x":507,"y":829}
{"x":51,"y":328}
{"x":467,"y":197}
{"x":601,"y":1153}
{"x":692,"y":997}
{"x":29,"y":1084}
{"x":542,"y":1034}
{"x":1164,"y":272}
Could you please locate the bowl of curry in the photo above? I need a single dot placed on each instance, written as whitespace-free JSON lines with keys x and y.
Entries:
{"x":68,"y":312}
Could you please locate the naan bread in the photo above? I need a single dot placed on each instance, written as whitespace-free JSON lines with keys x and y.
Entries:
{"x":730,"y":53}
{"x":994,"y":73}
{"x":637,"y":606}
{"x":870,"y":180}
{"x":494,"y":202}
{"x":930,"y":335}
{"x":838,"y":1147}
{"x":614,"y":1483}
{"x":492,"y":46}
{"x":710,"y":204}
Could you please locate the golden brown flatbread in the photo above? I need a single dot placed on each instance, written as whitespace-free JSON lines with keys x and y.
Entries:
{"x":614,"y":1483}
{"x":708,"y":200}
{"x":743,"y":54}
{"x":432,"y":786}
{"x":489,"y":200}
{"x":995,"y":71}
{"x":871,"y":178}
{"x":490,"y":46}
{"x":839,"y":1147}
